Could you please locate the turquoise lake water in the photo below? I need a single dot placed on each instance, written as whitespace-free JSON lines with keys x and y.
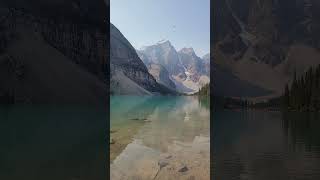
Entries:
{"x":175,"y":125}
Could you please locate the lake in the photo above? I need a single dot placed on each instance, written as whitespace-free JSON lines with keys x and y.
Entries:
{"x":42,"y":142}
{"x":159,"y":137}
{"x":257,"y":145}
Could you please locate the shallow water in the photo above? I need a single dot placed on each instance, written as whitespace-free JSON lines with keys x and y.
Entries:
{"x":171,"y":131}
{"x":258,"y":145}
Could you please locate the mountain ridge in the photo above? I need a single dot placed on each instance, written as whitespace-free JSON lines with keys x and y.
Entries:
{"x":187,"y":70}
{"x":75,"y":48}
{"x":263,"y":42}
{"x":128,"y":74}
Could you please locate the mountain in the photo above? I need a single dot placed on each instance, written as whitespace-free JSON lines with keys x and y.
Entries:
{"x":158,"y":71}
{"x":185,"y":68}
{"x":262,"y":42}
{"x":225,"y":83}
{"x":206,"y":61}
{"x":206,"y":57}
{"x":191,"y":62}
{"x":195,"y":69}
{"x":161,"y":75}
{"x":53,"y":52}
{"x":128,"y":74}
{"x":165,"y":54}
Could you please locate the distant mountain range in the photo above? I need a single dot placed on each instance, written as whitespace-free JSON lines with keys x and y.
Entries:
{"x":258,"y":44}
{"x":156,"y":69}
{"x":128,"y":74}
{"x":185,"y":69}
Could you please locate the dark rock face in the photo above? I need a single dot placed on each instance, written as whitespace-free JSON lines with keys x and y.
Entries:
{"x":85,"y":47}
{"x":92,"y":13}
{"x":38,"y":44}
{"x":78,"y":31}
{"x":265,"y":32}
{"x":274,"y":24}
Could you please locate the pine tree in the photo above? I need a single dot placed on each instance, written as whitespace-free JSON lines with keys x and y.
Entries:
{"x":304,"y":93}
{"x":286,"y":96}
{"x":204,"y":91}
{"x":294,"y":91}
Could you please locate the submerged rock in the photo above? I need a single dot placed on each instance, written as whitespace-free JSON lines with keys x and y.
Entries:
{"x":113,"y":131}
{"x":163,"y":163}
{"x":184,"y":169}
{"x":137,"y":119}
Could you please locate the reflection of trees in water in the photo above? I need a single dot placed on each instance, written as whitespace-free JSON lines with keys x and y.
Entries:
{"x":250,"y":145}
{"x":302,"y":129}
{"x":227,"y":166}
{"x":204,"y":101}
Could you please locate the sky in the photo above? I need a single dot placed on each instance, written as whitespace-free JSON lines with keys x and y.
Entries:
{"x":185,"y":23}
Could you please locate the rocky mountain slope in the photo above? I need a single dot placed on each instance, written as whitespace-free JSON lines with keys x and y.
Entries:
{"x":165,"y":54}
{"x":161,"y":75}
{"x":128,"y":74}
{"x":191,"y":62}
{"x":53,"y":58}
{"x":188,"y":71}
{"x":262,"y":42}
{"x":206,"y":62}
{"x":158,"y":71}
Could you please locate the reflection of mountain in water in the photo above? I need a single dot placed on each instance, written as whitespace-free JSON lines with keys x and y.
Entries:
{"x":302,"y":130}
{"x":179,"y":120}
{"x":265,"y":145}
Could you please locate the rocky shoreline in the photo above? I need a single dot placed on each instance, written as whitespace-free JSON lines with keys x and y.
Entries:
{"x":190,"y":162}
{"x":121,"y":137}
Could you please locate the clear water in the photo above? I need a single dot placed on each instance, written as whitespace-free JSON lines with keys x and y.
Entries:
{"x":165,"y":126}
{"x":66,"y":143}
{"x":257,"y":145}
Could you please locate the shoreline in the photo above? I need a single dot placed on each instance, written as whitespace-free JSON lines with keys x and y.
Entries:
{"x":120,"y":137}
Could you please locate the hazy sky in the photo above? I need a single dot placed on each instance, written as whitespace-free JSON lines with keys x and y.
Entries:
{"x":186,"y":23}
